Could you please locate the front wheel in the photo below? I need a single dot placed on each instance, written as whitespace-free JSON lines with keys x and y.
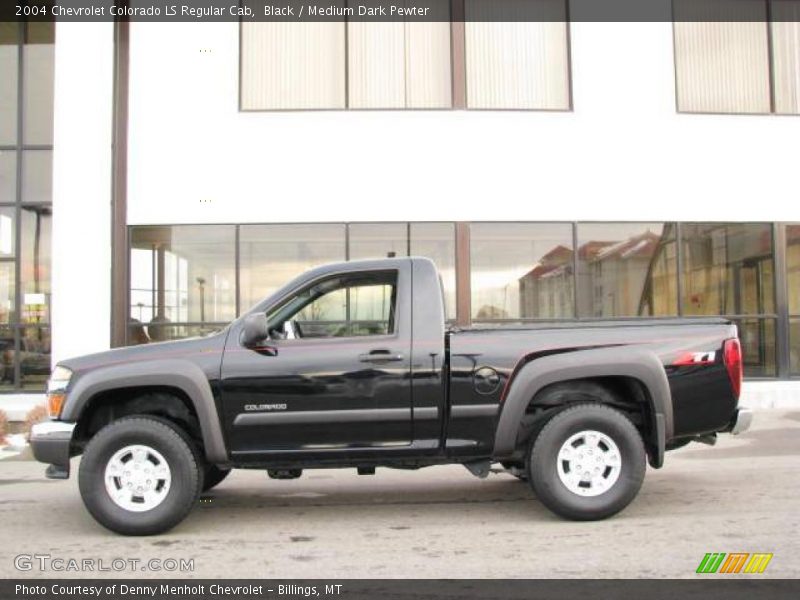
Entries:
{"x":139,"y":476}
{"x":587,"y":463}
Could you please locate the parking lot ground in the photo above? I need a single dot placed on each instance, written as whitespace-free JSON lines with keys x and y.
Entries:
{"x":743,"y":495}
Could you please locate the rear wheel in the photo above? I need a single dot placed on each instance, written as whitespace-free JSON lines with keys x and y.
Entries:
{"x":139,"y":476}
{"x":587,"y":463}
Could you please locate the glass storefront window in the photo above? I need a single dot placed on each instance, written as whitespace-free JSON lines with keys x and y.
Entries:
{"x":7,"y":354}
{"x":627,"y":270}
{"x":34,"y":357}
{"x":521,"y":271}
{"x":793,"y":288}
{"x":37,"y":180}
{"x":271,"y":255}
{"x":728,"y":269}
{"x":793,"y":268}
{"x":758,"y":346}
{"x":377,"y":240}
{"x":8,"y":175}
{"x":9,"y":61}
{"x":182,"y":274}
{"x":437,"y":241}
{"x":35,"y":263}
{"x":7,"y":288}
{"x":38,"y":78}
{"x":26,"y":136}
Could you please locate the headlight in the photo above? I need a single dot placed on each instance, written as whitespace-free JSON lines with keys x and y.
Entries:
{"x":56,"y":390}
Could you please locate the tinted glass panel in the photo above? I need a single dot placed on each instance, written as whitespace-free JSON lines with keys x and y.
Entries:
{"x":627,"y":270}
{"x":7,"y":234}
{"x":793,"y":267}
{"x":35,"y":263}
{"x":6,"y":291}
{"x":37,"y":176}
{"x":183,"y":273}
{"x":271,"y":255}
{"x":378,"y":240}
{"x":521,"y":270}
{"x":728,"y":269}
{"x":38,"y":75}
{"x":341,"y":307}
{"x":437,"y":241}
{"x":794,"y":341}
{"x":8,"y":176}
{"x":758,"y":346}
{"x":9,"y":53}
{"x":7,"y":354}
{"x":34,"y":358}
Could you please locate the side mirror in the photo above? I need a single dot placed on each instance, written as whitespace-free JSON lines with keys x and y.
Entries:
{"x":255,"y":330}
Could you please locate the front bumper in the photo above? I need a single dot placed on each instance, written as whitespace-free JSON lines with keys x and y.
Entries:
{"x":51,"y":442}
{"x":742,"y":420}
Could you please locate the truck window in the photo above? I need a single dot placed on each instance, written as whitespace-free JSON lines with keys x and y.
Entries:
{"x":354,"y":305}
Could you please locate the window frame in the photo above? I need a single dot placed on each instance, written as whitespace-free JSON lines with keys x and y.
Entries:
{"x":352,"y":275}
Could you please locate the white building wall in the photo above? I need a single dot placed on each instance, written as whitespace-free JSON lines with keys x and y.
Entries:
{"x":81,"y":268}
{"x":623,"y":153}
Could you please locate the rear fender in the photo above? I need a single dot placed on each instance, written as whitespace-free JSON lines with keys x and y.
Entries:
{"x":637,"y":363}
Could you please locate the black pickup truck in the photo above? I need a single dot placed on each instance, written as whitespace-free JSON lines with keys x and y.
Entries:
{"x":353,"y":365}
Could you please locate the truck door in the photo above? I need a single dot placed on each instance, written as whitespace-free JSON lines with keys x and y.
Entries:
{"x":335,"y":374}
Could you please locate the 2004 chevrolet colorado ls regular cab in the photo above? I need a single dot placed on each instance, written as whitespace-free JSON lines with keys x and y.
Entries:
{"x":353,"y":365}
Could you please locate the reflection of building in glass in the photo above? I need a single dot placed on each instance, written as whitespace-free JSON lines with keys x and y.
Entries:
{"x":547,"y":291}
{"x":618,"y":272}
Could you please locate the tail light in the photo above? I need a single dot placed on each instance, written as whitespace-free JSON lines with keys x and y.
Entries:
{"x":732,"y":354}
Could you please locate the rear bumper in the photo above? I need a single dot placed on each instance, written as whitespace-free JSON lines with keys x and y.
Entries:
{"x":51,"y":442}
{"x":742,"y":420}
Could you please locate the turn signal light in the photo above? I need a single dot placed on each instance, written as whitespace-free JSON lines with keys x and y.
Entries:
{"x":732,"y":353}
{"x":55,"y":402}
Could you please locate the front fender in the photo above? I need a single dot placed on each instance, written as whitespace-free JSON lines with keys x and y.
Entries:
{"x":634,"y":362}
{"x":175,"y":373}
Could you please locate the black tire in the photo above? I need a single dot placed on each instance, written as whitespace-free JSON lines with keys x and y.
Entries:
{"x":178,"y":452}
{"x":543,"y":462}
{"x":213,"y":476}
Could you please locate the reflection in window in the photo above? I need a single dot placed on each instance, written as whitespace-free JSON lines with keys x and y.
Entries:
{"x":353,"y":305}
{"x":7,"y":354}
{"x":7,"y":278}
{"x":34,"y":357}
{"x":437,"y":241}
{"x":182,"y":273}
{"x":793,"y":267}
{"x":272,"y":255}
{"x":377,"y":240}
{"x":35,"y":263}
{"x":627,"y":270}
{"x":758,"y":346}
{"x":26,"y":137}
{"x":521,"y":271}
{"x":793,"y":286}
{"x":727,"y":269}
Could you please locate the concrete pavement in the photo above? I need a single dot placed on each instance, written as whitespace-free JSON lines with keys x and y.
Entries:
{"x":742,"y":495}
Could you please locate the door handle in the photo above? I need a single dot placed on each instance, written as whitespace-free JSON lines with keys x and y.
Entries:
{"x":380,"y":356}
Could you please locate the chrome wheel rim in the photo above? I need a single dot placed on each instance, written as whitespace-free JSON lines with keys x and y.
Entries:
{"x":589,"y":463}
{"x":137,"y":478}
